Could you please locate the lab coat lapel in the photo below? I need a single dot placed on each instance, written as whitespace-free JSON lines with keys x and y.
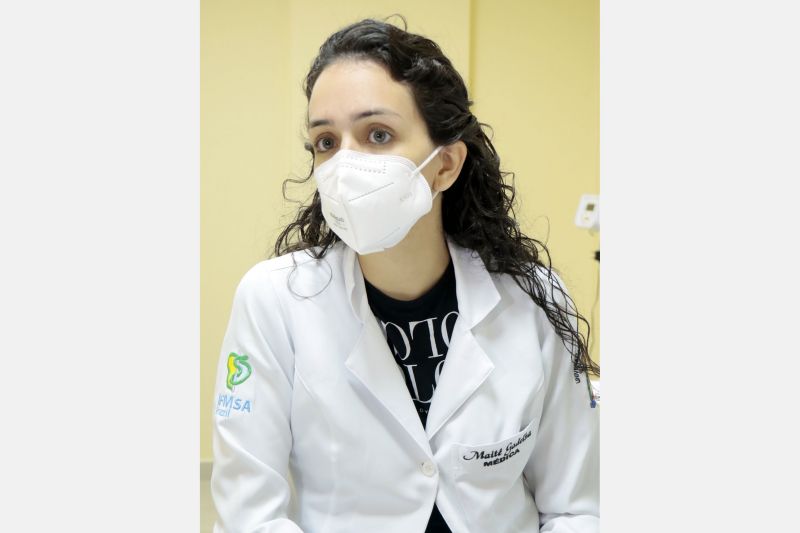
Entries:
{"x":373,"y":364}
{"x":466,"y":365}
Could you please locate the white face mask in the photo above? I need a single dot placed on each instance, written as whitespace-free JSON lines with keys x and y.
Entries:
{"x":371,"y":201}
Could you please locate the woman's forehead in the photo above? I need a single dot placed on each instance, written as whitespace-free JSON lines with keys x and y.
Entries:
{"x":347,"y":88}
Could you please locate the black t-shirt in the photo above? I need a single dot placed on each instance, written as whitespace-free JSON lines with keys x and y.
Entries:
{"x":418,"y":333}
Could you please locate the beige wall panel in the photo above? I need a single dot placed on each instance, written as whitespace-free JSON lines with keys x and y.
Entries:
{"x":243,"y":120}
{"x":535,"y":80}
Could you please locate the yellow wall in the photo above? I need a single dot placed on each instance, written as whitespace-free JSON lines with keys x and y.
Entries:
{"x":532,"y":70}
{"x":535,"y":79}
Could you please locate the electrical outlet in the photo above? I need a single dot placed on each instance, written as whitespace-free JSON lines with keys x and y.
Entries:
{"x":588,"y":214}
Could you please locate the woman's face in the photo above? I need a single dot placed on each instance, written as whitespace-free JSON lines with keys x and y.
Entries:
{"x":356,"y":105}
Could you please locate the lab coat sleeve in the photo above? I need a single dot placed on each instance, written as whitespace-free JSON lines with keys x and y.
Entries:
{"x":252,"y":437}
{"x":563,"y":469}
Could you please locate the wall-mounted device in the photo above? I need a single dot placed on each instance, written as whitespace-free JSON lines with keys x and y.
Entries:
{"x":588,"y":215}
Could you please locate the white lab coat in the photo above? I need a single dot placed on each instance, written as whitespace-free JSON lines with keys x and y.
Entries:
{"x":323,"y":436}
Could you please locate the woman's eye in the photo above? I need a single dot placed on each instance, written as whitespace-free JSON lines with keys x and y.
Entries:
{"x":324,"y":144}
{"x":379,"y":136}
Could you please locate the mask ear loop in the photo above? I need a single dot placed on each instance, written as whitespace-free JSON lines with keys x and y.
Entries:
{"x":418,"y":170}
{"x":428,"y":160}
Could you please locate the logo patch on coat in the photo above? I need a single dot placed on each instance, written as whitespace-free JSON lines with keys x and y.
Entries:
{"x":238,"y":370}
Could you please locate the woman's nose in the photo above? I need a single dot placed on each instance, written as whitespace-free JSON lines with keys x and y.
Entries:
{"x":349,"y":143}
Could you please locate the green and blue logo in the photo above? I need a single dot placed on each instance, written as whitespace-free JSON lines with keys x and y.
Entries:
{"x":238,"y":370}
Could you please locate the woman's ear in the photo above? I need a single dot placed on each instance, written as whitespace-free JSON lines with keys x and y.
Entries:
{"x":453,"y":157}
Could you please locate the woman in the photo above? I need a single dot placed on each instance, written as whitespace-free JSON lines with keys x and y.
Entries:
{"x":407,"y":362}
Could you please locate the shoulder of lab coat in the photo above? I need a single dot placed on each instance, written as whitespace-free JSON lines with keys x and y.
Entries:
{"x":251,"y":446}
{"x":563,"y":469}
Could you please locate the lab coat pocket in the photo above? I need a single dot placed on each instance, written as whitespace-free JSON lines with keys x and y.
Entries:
{"x":488,"y":479}
{"x":495,"y":464}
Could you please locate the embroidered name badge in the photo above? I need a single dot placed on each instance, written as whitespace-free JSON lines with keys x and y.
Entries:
{"x":496,"y":454}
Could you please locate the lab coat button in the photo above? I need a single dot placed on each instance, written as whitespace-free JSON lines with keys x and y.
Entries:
{"x":428,"y":469}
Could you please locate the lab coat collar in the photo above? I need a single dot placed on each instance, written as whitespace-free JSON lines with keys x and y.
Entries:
{"x":467,"y":365}
{"x":475,"y":289}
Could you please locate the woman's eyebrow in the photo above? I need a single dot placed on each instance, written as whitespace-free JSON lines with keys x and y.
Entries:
{"x":357,"y":116}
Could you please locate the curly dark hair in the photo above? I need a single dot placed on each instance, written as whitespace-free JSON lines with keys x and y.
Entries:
{"x":478,"y":209}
